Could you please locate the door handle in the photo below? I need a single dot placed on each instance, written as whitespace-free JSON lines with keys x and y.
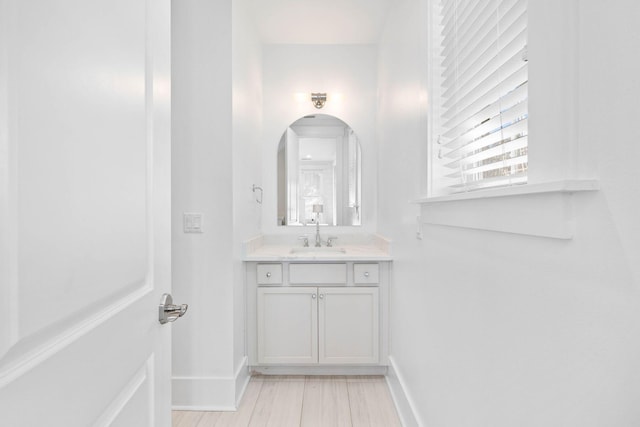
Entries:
{"x":168,"y":311}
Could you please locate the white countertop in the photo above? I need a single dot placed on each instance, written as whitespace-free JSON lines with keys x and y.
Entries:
{"x":261,"y":249}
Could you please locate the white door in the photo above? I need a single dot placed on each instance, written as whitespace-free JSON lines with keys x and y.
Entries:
{"x":287,"y":325}
{"x":84,"y":212}
{"x":348,"y":325}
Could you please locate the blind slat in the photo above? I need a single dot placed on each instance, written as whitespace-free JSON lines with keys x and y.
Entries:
{"x":515,"y":130}
{"x":498,"y":181}
{"x":487,"y":33}
{"x":455,"y":10}
{"x":504,"y":147}
{"x":478,"y":18}
{"x":516,"y":147}
{"x":485,"y":66}
{"x":500,"y":121}
{"x":485,"y":95}
{"x":502,"y":163}
{"x":516,"y":161}
{"x":519,"y":94}
{"x":467,"y":95}
{"x":501,"y":160}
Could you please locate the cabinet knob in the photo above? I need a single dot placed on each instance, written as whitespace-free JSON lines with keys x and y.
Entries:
{"x":366,"y":274}
{"x":313,"y":296}
{"x":321,"y":296}
{"x":268,"y":274}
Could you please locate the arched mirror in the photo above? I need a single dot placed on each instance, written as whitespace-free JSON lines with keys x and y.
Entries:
{"x":319,"y":167}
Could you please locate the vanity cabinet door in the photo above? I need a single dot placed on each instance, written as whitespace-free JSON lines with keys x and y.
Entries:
{"x":348,"y":325}
{"x":287,"y":325}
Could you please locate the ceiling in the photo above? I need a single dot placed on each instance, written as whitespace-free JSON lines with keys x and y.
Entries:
{"x":319,"y":21}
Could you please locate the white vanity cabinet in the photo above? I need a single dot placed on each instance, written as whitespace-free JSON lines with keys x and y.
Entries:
{"x":317,"y":325}
{"x":318,"y":316}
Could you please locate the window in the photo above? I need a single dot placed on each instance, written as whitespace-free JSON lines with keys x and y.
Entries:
{"x":479,"y":94}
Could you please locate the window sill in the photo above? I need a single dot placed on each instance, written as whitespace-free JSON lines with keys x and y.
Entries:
{"x":567,"y":186}
{"x":543,"y":210}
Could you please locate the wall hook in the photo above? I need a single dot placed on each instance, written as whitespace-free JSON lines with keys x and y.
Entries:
{"x":254,"y":188}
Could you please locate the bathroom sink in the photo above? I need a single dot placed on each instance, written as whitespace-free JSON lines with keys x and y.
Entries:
{"x":321,"y":250}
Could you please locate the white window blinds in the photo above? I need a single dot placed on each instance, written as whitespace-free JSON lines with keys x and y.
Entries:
{"x":481,"y":136}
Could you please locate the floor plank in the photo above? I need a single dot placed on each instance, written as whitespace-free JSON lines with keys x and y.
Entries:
{"x":186,"y":418}
{"x":242,"y":416}
{"x":279,"y":403}
{"x":371,"y":404}
{"x":209,"y":419}
{"x":287,"y":378}
{"x":326,"y":403}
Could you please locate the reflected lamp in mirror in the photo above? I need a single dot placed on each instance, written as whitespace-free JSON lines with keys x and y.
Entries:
{"x":317,"y":209}
{"x":319,"y":167}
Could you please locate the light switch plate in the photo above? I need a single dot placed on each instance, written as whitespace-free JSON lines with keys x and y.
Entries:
{"x":192,"y":222}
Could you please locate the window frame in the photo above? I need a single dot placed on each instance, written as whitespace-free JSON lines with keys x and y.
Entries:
{"x":559,"y":169}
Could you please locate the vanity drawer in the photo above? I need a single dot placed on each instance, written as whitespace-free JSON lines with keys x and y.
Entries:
{"x":318,"y":274}
{"x":269,"y":274}
{"x":365,"y":273}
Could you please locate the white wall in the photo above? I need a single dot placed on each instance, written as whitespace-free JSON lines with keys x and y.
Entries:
{"x":247,"y":163}
{"x":497,"y":329}
{"x":348,"y":73}
{"x":203,"y":274}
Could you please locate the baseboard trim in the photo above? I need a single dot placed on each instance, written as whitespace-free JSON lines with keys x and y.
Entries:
{"x":203,"y":393}
{"x":401,"y":398}
{"x":210,"y":393}
{"x":243,"y":376}
{"x":318,"y":370}
{"x":206,"y":408}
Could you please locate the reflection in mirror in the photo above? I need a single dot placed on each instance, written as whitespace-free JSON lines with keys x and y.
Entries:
{"x":319,"y":163}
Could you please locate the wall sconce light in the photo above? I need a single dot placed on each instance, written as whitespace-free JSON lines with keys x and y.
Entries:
{"x":318,"y":99}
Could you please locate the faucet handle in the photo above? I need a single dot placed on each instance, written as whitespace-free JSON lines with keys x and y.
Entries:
{"x":330,"y":240}
{"x":305,"y":239}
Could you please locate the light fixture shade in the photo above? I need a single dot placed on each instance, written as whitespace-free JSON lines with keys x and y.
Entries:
{"x":317,"y":208}
{"x":318,"y":99}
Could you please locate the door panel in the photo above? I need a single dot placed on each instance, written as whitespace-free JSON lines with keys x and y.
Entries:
{"x":84,"y":212}
{"x":81,"y":176}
